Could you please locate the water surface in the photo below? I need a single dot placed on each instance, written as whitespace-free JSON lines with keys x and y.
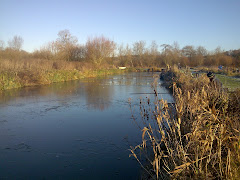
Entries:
{"x":72,"y":130}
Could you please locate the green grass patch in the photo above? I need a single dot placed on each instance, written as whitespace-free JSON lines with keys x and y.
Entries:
{"x":229,"y":82}
{"x":9,"y":80}
{"x":61,"y":75}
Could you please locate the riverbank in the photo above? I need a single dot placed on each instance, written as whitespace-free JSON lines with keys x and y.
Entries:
{"x":10,"y":80}
{"x":22,"y":73}
{"x":232,"y":83}
{"x":201,"y":140}
{"x":231,"y":72}
{"x":229,"y":77}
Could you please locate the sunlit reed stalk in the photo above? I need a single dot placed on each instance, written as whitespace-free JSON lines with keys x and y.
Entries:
{"x":199,"y":139}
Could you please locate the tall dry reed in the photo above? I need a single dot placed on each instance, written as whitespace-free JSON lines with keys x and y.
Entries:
{"x":197,"y":138}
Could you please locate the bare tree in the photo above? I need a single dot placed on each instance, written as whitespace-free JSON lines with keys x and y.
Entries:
{"x":128,"y":53}
{"x":125,"y":55}
{"x":52,"y":47}
{"x":121,"y":55}
{"x":99,"y":48}
{"x":201,"y":53}
{"x":139,"y":50}
{"x":218,"y":51}
{"x":176,"y":53}
{"x":166,"y":54}
{"x":190,"y":52}
{"x":66,"y":44}
{"x":2,"y":44}
{"x":154,"y":48}
{"x":16,"y":43}
{"x":153,"y":52}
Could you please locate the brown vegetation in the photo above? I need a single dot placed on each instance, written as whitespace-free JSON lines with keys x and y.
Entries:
{"x":200,"y":141}
{"x":101,"y":50}
{"x":66,"y":54}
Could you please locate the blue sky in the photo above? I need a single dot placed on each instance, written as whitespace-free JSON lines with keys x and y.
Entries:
{"x":209,"y":23}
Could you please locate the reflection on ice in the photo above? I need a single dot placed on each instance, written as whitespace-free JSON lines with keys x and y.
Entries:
{"x":73,"y":130}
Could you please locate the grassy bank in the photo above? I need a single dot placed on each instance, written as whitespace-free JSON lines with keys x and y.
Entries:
{"x":229,"y":77}
{"x":10,"y":80}
{"x":232,"y":72}
{"x":229,"y":82}
{"x":198,"y":138}
{"x":31,"y":72}
{"x":15,"y":74}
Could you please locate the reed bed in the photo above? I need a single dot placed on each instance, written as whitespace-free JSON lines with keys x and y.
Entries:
{"x":196,"y":138}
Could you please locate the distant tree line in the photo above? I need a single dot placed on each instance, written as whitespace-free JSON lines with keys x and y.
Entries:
{"x":102,"y":50}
